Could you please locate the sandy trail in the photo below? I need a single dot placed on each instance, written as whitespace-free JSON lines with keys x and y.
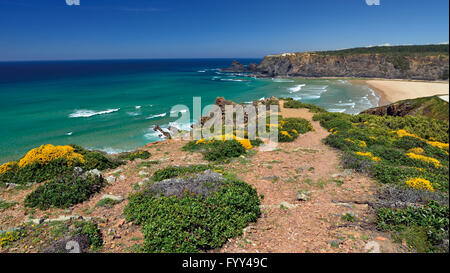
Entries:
{"x":307,"y":226}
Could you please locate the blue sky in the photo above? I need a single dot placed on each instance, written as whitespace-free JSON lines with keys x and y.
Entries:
{"x":107,"y":29}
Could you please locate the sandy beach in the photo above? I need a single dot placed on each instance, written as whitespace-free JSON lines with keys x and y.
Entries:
{"x":395,"y":90}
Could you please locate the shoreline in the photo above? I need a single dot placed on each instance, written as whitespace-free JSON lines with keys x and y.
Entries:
{"x":391,"y":91}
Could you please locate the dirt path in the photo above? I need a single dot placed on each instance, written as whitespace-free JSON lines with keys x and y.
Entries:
{"x":316,"y":225}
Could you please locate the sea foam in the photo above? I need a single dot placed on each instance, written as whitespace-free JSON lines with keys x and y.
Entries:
{"x":157,"y":116}
{"x":296,"y":88}
{"x":90,"y":113}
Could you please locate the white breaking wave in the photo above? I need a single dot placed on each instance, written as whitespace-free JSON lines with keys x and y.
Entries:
{"x":351,"y":104}
{"x":296,"y":88}
{"x":180,"y":111}
{"x":157,"y":116}
{"x":234,"y":80}
{"x":90,"y":113}
{"x":182,"y":126}
{"x":138,"y":107}
{"x":69,"y":133}
{"x":310,"y":97}
{"x":201,"y":71}
{"x":133,"y":114}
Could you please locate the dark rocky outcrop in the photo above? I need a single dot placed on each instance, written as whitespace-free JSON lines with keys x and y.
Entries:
{"x":235,"y":67}
{"x":252,"y":67}
{"x":167,"y":135}
{"x":432,"y":107}
{"x":221,"y":102}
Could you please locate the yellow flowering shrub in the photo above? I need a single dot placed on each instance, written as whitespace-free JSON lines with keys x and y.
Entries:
{"x":47,"y":153}
{"x":286,"y":134}
{"x":443,"y":146}
{"x":360,"y":143}
{"x":9,"y":237}
{"x":418,"y":151}
{"x":245,"y":143}
{"x":423,"y":158}
{"x":403,"y":133}
{"x":420,"y":184}
{"x":370,"y":155}
{"x":201,"y":141}
{"x":294,"y":131}
{"x":7,"y":166}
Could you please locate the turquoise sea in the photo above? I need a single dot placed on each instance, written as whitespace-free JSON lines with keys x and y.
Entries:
{"x":114,"y":105}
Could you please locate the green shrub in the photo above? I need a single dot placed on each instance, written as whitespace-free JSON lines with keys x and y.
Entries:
{"x":291,"y":128}
{"x":64,"y":192}
{"x":91,"y":230}
{"x":134,"y":155}
{"x":217,"y":150}
{"x":172,"y":171}
{"x":223,"y":150}
{"x":433,"y":219}
{"x":193,"y":223}
{"x":374,"y":135}
{"x":291,"y":103}
{"x":38,"y":172}
{"x":256,"y":142}
{"x":96,"y":160}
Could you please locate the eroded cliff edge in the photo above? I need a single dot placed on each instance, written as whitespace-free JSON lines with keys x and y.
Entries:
{"x":400,"y":62}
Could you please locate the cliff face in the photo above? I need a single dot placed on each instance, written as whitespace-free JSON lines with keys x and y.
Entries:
{"x":432,"y":107}
{"x":314,"y":64}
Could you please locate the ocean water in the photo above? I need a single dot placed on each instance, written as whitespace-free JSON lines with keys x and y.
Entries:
{"x":114,"y":105}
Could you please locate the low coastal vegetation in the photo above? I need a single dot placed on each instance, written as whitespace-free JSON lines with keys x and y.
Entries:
{"x":406,"y":50}
{"x":193,"y":222}
{"x":178,"y":171}
{"x":406,"y":152}
{"x":432,"y":107}
{"x":65,"y":192}
{"x":48,"y":162}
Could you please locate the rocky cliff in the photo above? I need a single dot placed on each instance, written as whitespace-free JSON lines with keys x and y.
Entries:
{"x":432,"y":107}
{"x":413,"y":62}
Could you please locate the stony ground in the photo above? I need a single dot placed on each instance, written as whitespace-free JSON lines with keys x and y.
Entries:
{"x":305,"y":197}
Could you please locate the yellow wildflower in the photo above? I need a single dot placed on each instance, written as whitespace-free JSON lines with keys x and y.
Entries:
{"x":201,"y":141}
{"x":420,"y":184}
{"x":246,"y":143}
{"x":294,"y":131}
{"x":369,"y":154}
{"x":443,"y":146}
{"x":7,"y":166}
{"x":286,"y":134}
{"x":418,"y":151}
{"x":47,"y":153}
{"x":403,"y":133}
{"x":364,"y":154}
{"x":425,"y":159}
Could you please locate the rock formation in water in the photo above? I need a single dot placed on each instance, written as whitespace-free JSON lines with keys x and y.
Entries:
{"x":235,"y":67}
